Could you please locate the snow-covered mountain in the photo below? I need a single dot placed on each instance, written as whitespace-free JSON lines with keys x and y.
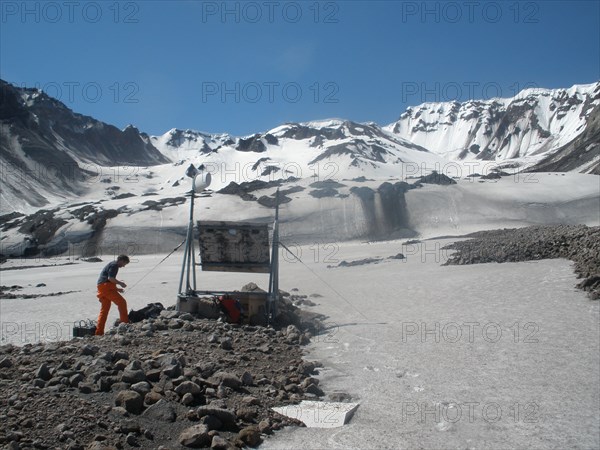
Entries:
{"x":331,"y":149}
{"x":520,"y":131}
{"x":337,"y":177}
{"x":47,"y":151}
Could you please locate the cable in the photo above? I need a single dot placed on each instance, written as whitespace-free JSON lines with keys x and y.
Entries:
{"x":160,"y":262}
{"x":324,"y":282}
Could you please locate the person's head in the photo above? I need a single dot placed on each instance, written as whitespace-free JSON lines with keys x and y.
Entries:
{"x":122,"y":260}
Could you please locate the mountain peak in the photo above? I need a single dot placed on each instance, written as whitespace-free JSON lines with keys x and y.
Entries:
{"x":523,"y":129}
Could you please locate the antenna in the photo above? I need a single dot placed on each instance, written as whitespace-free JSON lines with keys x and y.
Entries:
{"x":200,"y":181}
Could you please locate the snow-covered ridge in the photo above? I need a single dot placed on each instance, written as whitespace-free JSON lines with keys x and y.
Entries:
{"x":514,"y":134}
{"x":525,"y":129}
{"x":517,"y":132}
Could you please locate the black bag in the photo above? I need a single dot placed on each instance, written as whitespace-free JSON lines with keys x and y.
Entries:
{"x":84,"y":328}
{"x":152,"y":310}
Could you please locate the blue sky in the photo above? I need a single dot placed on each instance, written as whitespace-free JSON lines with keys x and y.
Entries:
{"x":245,"y":67}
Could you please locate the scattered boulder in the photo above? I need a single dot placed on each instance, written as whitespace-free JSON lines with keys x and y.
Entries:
{"x":43,"y":372}
{"x":250,"y":436}
{"x":226,"y":379}
{"x":132,"y":401}
{"x":188,"y":387}
{"x":195,"y":437}
{"x":226,"y":416}
{"x":133,"y":375}
{"x":220,"y":443}
{"x":161,"y":411}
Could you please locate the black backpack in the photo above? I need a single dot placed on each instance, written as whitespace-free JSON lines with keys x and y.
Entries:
{"x":151,"y":310}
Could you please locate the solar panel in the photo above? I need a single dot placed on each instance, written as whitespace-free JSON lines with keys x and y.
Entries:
{"x":234,"y":246}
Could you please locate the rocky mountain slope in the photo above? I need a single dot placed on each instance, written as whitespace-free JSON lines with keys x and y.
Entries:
{"x":521,"y":131}
{"x":47,"y":151}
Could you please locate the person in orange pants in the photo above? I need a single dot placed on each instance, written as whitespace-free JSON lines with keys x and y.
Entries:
{"x":108,"y":293}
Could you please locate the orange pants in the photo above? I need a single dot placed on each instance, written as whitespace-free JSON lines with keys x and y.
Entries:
{"x":107,"y":294}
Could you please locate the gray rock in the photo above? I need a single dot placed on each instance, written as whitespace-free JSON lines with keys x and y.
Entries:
{"x":6,"y":362}
{"x":120,"y":386}
{"x":212,"y":422}
{"x":223,"y":392}
{"x":132,"y":401}
{"x":250,"y":400}
{"x":105,"y":383}
{"x":120,"y":411}
{"x":314,"y":389}
{"x":292,"y":329}
{"x":226,"y":343}
{"x":120,"y":354}
{"x":134,"y":365}
{"x":133,"y":376}
{"x":187,"y":399}
{"x":175,"y":324}
{"x":148,"y":327}
{"x":86,"y":388}
{"x":94,"y":367}
{"x":153,"y":375}
{"x":308,"y":381}
{"x":250,"y":436}
{"x":220,"y":443}
{"x":61,"y":427}
{"x":143,"y":387}
{"x":195,"y":437}
{"x":190,"y":372}
{"x":264,"y":426}
{"x":247,"y":379}
{"x":43,"y":372}
{"x":89,"y":350}
{"x":129,"y":426}
{"x":266,"y":348}
{"x":188,"y":387}
{"x":152,"y":397}
{"x":247,"y":414}
{"x":209,"y":392}
{"x":224,"y":415}
{"x":172,"y":371}
{"x":132,"y":440}
{"x":291,"y":387}
{"x":227,"y":379}
{"x":121,"y":364}
{"x":107,"y":356}
{"x":161,"y":411}
{"x":169,"y":314}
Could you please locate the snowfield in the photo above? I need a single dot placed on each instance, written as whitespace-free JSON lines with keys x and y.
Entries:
{"x":492,"y":355}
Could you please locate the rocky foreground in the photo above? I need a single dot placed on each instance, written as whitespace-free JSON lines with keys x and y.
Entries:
{"x":579,"y":243}
{"x":176,"y":381}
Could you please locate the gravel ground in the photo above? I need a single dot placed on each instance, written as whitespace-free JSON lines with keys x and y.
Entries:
{"x":579,"y":243}
{"x":172,"y":382}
